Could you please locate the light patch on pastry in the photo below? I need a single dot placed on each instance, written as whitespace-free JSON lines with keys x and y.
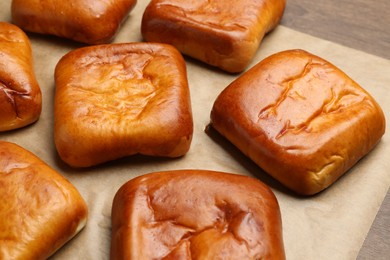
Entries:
{"x":300,"y":118}
{"x":196,"y":214}
{"x":20,"y":95}
{"x":117,"y":100}
{"x":86,"y":21}
{"x":225,"y":34}
{"x":40,"y":210}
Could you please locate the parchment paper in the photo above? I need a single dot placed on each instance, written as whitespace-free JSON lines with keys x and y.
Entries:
{"x":331,"y":225}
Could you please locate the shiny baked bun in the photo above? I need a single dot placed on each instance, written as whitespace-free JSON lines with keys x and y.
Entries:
{"x":225,"y":34}
{"x":196,"y":214}
{"x":39,"y":211}
{"x":20,"y":95}
{"x":117,"y":100}
{"x":87,"y":21}
{"x":300,"y":118}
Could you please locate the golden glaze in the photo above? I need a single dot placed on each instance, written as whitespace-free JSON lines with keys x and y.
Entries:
{"x":20,"y":95}
{"x":117,"y":100}
{"x":39,"y":209}
{"x":87,"y":21}
{"x":196,"y":214}
{"x":299,"y":118}
{"x":225,"y":34}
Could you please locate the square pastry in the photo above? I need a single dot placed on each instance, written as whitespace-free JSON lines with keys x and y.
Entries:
{"x":86,"y":21}
{"x":39,"y":210}
{"x":20,"y":94}
{"x":117,"y":100}
{"x":300,"y":118}
{"x":225,"y":34}
{"x":196,"y":214}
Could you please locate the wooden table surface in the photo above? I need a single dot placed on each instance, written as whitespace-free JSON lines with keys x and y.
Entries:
{"x":362,"y":25}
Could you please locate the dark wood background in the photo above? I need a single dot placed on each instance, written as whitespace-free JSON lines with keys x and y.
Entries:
{"x":362,"y":25}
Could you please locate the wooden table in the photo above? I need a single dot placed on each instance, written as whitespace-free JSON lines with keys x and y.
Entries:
{"x":362,"y":25}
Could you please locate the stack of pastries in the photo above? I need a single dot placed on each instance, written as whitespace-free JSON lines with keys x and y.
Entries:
{"x":297,"y":116}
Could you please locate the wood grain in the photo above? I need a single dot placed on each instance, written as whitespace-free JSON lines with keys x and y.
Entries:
{"x":377,"y":243}
{"x":360,"y":24}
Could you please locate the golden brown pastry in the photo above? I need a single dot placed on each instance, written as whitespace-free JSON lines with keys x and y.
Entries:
{"x":117,"y":100}
{"x":39,"y":210}
{"x":225,"y":34}
{"x":20,"y":95}
{"x":87,"y":21}
{"x":299,"y":118}
{"x":196,"y":214}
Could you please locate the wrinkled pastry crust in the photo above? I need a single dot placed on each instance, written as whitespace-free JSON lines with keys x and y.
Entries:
{"x":39,"y":210}
{"x":196,"y":214}
{"x":299,"y":118}
{"x":225,"y":34}
{"x":87,"y":21}
{"x":20,"y":95}
{"x":117,"y":100}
